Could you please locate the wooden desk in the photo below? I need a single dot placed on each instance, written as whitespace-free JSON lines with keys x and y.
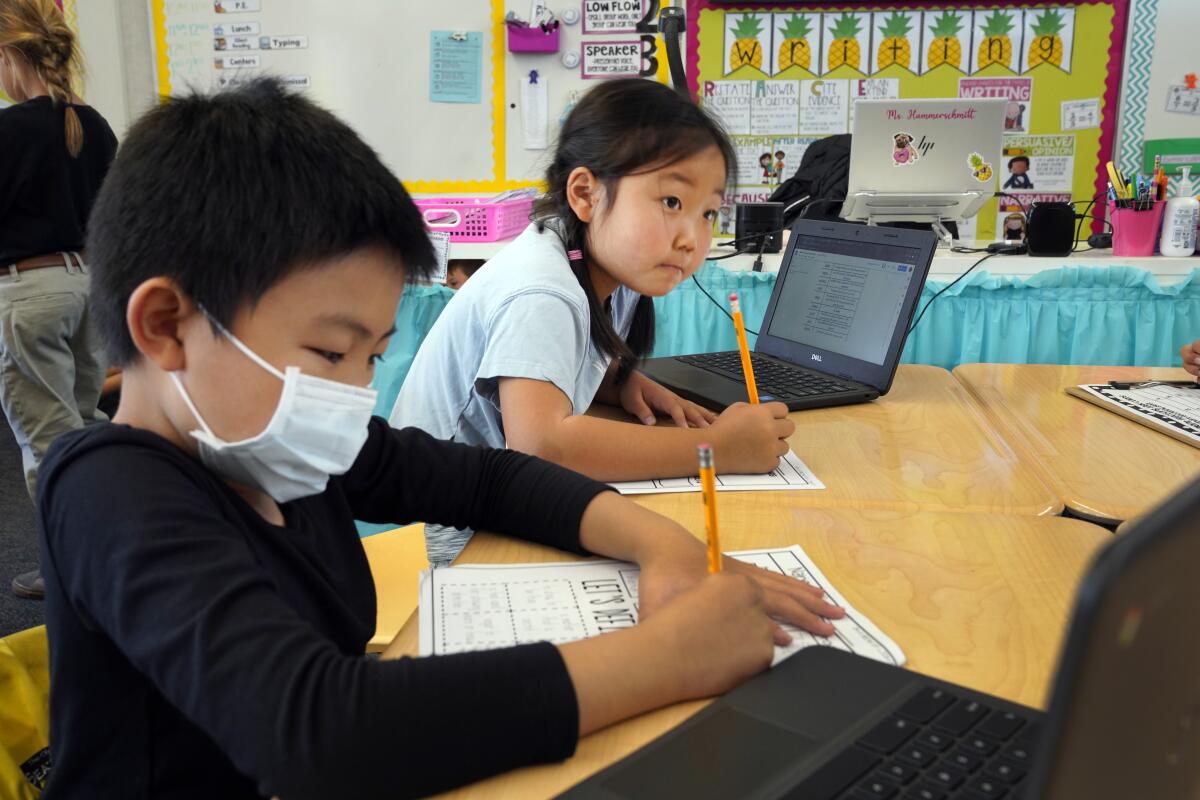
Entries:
{"x":979,"y":600}
{"x":1101,"y":466}
{"x":926,"y":445}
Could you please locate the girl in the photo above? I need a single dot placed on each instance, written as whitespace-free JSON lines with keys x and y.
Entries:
{"x":55,"y":156}
{"x":561,"y":316}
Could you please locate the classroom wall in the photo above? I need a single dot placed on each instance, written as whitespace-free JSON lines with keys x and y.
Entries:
{"x":115,"y":37}
{"x":1176,"y":36}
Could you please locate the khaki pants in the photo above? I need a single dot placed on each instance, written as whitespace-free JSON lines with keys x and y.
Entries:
{"x":51,"y":363}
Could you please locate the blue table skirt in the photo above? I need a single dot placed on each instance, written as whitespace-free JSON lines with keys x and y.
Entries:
{"x":1074,"y":315}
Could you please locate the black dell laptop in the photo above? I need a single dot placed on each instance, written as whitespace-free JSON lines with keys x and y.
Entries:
{"x":1123,"y":722}
{"x":835,"y":326}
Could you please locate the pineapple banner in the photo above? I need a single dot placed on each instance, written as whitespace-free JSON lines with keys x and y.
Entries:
{"x":837,"y":55}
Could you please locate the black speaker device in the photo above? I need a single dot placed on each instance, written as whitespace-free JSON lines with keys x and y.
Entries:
{"x":756,"y":221}
{"x":1050,"y":230}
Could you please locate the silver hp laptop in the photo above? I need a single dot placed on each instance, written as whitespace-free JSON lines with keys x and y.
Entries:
{"x":1124,"y":718}
{"x":923,"y":160}
{"x":835,"y":326}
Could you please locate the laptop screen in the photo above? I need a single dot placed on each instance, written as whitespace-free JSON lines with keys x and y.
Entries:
{"x":844,"y":297}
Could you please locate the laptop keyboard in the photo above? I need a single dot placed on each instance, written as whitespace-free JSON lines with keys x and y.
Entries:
{"x":936,"y":746}
{"x":773,"y":378}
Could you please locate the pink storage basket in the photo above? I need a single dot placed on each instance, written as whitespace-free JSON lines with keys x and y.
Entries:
{"x":474,"y":219}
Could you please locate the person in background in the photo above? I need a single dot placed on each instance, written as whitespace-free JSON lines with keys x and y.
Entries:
{"x":460,"y":270}
{"x":54,"y":154}
{"x":1190,"y":353}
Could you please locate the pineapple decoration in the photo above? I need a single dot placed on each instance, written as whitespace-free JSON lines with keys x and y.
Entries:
{"x":746,"y":49}
{"x":845,"y":49}
{"x":794,"y":50}
{"x":996,"y":46}
{"x":980,"y":169}
{"x":945,"y":47}
{"x":895,"y":48}
{"x":1047,"y":44}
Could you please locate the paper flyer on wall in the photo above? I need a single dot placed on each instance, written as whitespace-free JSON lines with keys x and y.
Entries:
{"x":872,"y":89}
{"x":1017,"y":91}
{"x":1038,"y":163}
{"x":486,"y":606}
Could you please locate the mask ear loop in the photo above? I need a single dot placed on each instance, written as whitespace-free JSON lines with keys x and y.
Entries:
{"x":250,"y":354}
{"x":191,"y":406}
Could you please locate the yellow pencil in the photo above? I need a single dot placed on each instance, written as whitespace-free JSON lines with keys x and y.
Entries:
{"x":708,"y":492}
{"x":747,"y":367}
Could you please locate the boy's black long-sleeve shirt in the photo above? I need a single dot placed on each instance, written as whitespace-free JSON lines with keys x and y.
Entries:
{"x":199,"y":651}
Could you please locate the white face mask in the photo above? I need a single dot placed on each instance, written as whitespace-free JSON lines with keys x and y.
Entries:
{"x":317,"y":430}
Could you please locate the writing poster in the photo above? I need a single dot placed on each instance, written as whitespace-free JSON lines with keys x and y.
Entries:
{"x":775,"y":108}
{"x":1041,"y":163}
{"x":1017,"y":91}
{"x":729,"y":101}
{"x":872,"y":89}
{"x":824,"y":107}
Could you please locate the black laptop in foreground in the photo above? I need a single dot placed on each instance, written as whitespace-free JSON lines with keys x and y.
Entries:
{"x":1123,"y":719}
{"x":835,"y":326}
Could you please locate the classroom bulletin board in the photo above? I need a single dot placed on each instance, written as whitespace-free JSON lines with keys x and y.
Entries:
{"x":443,"y":123}
{"x":783,"y":75}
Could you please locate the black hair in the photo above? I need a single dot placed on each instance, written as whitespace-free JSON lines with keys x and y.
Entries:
{"x":623,"y":127}
{"x":228,"y":194}
{"x":469,"y":266}
{"x":780,"y":154}
{"x":1015,"y":159}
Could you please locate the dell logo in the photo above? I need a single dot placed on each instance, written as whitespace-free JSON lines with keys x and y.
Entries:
{"x":816,"y":357}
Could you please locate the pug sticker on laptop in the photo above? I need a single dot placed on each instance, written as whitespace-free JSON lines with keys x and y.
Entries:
{"x":903,"y":153}
{"x":980,"y":170}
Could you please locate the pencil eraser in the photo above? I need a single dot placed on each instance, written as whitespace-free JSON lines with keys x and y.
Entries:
{"x":733,"y":297}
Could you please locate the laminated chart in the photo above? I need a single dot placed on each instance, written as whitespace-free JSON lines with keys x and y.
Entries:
{"x":790,"y":475}
{"x":484,"y":606}
{"x":1172,"y":410}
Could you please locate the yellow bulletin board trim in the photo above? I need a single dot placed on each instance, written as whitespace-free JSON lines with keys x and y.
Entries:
{"x":499,"y":140}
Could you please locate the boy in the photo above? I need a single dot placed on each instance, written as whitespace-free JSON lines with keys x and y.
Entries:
{"x":1018,"y":177}
{"x":208,"y":601}
{"x":460,"y":270}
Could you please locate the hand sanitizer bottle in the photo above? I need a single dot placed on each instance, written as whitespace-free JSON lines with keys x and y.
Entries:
{"x":1179,"y":220}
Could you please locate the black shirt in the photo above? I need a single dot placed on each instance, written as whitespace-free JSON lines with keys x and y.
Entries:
{"x":45,"y":194}
{"x":197,"y":650}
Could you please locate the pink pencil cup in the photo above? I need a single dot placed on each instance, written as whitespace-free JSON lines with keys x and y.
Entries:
{"x":532,"y":40}
{"x":1135,"y":233}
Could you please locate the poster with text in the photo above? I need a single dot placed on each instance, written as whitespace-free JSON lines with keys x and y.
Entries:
{"x":998,"y":38}
{"x":1049,"y":37}
{"x":1017,"y":91}
{"x":797,"y":44}
{"x":897,"y":41}
{"x":946,"y":40}
{"x":612,"y":16}
{"x":872,"y":89}
{"x":845,"y":43}
{"x":1038,"y":163}
{"x":824,"y":106}
{"x":748,"y":45}
{"x":1012,"y":213}
{"x":729,"y":101}
{"x":775,"y":108}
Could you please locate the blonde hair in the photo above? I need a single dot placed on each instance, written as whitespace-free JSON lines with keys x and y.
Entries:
{"x":37,"y":30}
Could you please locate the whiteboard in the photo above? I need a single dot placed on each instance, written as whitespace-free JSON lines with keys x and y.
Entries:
{"x":365,"y":60}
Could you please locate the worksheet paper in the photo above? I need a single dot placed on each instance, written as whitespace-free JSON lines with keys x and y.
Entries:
{"x":791,"y":474}
{"x":1169,"y":408}
{"x":485,"y":606}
